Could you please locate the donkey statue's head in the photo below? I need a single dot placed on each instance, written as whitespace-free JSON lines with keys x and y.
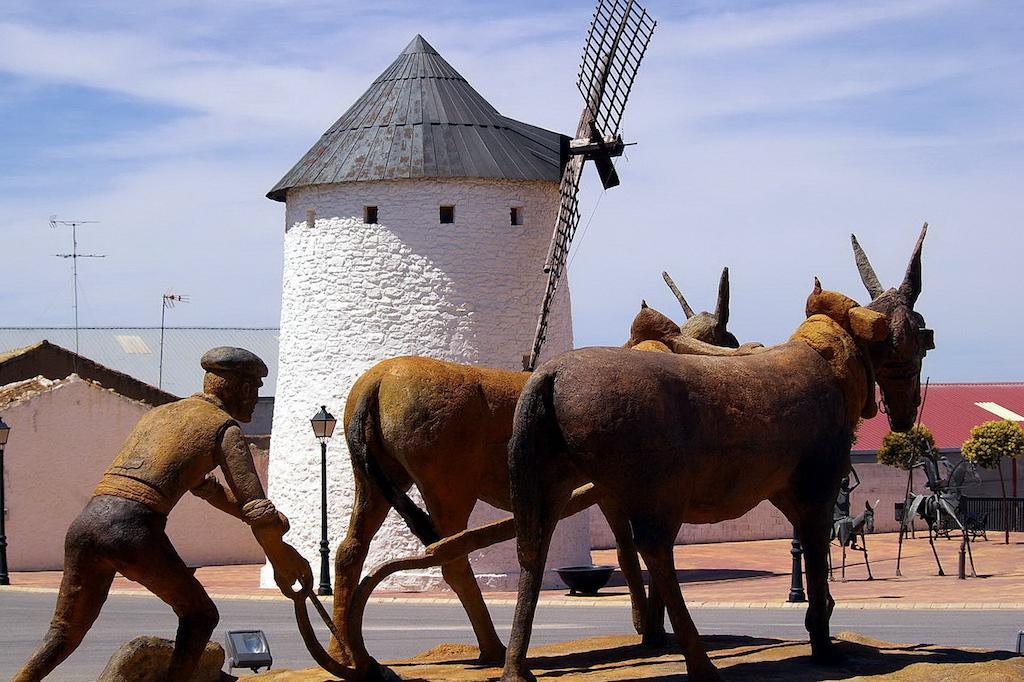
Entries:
{"x":869,"y":516}
{"x":897,"y":358}
{"x":651,"y":325}
{"x":707,"y":327}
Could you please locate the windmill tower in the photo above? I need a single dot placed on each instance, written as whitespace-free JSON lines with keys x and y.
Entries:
{"x":416,"y":225}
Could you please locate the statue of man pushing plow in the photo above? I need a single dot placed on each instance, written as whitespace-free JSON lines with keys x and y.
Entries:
{"x":172,"y":450}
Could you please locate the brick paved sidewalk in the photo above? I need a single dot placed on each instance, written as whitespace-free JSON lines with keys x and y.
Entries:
{"x":735,"y":574}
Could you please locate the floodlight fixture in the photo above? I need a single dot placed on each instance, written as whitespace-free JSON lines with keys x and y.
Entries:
{"x":248,"y":649}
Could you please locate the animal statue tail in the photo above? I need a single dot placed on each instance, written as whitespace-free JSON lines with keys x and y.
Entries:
{"x":535,"y":427}
{"x":364,"y":440}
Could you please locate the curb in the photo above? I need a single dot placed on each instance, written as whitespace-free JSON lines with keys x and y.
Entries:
{"x":617,"y":601}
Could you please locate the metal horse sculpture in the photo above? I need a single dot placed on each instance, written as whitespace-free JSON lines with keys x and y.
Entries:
{"x":445,"y":427}
{"x":846,"y":528}
{"x":668,"y":439}
{"x":939,"y":507}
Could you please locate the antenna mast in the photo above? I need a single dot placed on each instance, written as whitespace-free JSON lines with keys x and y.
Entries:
{"x":169,"y":300}
{"x":74,"y":256}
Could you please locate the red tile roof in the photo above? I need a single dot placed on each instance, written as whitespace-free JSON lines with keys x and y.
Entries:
{"x":950,"y":412}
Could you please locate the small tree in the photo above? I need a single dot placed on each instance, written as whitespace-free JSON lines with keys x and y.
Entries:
{"x":904,"y":450}
{"x":988,"y":445}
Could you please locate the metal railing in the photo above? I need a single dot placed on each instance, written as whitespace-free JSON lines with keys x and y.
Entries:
{"x":987,"y":509}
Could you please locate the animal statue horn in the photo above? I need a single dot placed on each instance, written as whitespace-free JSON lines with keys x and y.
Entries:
{"x":867,"y":273}
{"x":910,"y":289}
{"x":722,"y":307}
{"x":687,"y":310}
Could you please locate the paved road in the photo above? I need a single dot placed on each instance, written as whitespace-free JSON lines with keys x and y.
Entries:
{"x":401,"y":630}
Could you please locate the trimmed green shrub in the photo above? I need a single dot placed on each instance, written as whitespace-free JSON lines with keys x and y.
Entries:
{"x":991,"y":441}
{"x":903,"y":450}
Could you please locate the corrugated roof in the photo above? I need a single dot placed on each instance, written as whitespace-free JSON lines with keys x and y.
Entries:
{"x":183,"y":346}
{"x":950,"y":411}
{"x":421,"y":119}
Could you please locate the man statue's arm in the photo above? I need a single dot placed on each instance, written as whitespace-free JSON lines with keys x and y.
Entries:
{"x":218,"y":496}
{"x":268,"y":525}
{"x":856,"y":478}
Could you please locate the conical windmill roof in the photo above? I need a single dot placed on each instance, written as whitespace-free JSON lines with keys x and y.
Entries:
{"x":421,"y":119}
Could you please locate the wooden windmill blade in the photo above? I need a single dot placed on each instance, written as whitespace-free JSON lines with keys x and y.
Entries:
{"x":619,"y":34}
{"x":616,"y":42}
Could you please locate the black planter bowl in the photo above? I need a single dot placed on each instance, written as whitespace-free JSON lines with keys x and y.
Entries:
{"x":585,"y":581}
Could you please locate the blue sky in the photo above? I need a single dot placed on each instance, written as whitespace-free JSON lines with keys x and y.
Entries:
{"x":767,"y":132}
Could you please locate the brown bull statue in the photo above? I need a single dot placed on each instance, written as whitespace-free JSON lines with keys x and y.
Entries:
{"x":668,"y":439}
{"x":445,"y":426}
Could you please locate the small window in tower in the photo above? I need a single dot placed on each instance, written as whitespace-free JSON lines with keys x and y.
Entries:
{"x":516,"y":215}
{"x":369,"y":215}
{"x":447,"y":214}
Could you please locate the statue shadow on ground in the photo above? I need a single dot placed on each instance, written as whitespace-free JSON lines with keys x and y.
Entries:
{"x":702,"y":575}
{"x":739,"y":658}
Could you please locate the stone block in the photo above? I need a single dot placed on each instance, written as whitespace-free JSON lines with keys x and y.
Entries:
{"x":145,"y":659}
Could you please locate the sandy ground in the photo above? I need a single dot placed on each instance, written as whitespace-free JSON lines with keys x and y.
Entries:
{"x":602,"y":659}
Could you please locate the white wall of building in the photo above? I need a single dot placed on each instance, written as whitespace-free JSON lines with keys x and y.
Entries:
{"x":62,"y":440}
{"x":355,"y":294}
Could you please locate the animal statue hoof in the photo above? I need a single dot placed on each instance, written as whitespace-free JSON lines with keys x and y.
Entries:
{"x":826,"y":653}
{"x":380,"y":673}
{"x":494,"y":658}
{"x":706,"y":672}
{"x":657,"y":639}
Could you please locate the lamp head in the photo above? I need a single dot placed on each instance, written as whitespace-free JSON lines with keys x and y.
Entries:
{"x":323,"y":423}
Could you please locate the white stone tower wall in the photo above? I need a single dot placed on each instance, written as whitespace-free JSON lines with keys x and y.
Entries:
{"x":357,"y":293}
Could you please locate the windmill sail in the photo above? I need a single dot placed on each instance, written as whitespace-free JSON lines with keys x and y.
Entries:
{"x":619,"y":34}
{"x":616,"y":43}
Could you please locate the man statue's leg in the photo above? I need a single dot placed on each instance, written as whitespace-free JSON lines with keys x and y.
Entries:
{"x":83,"y":589}
{"x":157,"y":567}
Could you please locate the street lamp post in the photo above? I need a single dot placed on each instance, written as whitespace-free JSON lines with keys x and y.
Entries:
{"x":5,"y":579}
{"x":323,"y":423}
{"x":796,"y":585}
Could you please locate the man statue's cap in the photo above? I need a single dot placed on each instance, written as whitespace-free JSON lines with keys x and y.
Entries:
{"x":226,"y":359}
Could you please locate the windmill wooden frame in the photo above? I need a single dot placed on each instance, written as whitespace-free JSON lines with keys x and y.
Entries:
{"x":619,"y":34}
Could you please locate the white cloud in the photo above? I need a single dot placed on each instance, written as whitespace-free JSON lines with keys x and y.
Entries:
{"x":765,"y":135}
{"x":723,"y":30}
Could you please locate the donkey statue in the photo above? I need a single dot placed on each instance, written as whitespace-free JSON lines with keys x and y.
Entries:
{"x":668,"y":439}
{"x":939,"y":508}
{"x":445,"y":427}
{"x":845,"y":530}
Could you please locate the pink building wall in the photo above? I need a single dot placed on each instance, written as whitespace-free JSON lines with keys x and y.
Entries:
{"x":61,"y":441}
{"x":878,"y":482}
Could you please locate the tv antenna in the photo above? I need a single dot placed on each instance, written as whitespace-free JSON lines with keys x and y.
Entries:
{"x":616,"y":42}
{"x":169,"y":299}
{"x":74,"y":256}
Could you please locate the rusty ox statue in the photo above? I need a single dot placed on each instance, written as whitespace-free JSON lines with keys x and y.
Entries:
{"x":445,"y":426}
{"x":668,"y":439}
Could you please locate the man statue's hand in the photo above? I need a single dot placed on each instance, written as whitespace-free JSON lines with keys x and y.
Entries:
{"x":290,"y":568}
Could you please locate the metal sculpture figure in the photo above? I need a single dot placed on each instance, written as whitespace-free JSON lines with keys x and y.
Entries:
{"x":668,"y":439}
{"x":939,"y":507}
{"x":172,"y":450}
{"x":446,"y":426}
{"x":846,"y":528}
